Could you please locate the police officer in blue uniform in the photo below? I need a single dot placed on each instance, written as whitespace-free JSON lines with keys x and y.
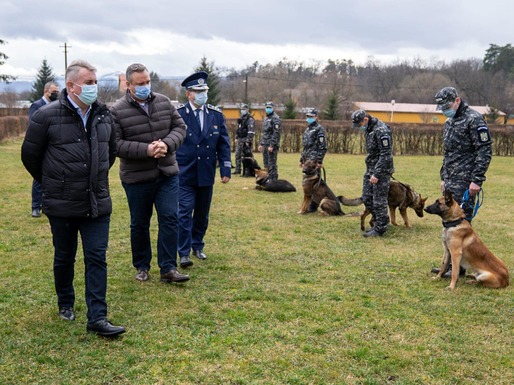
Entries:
{"x":207,"y":143}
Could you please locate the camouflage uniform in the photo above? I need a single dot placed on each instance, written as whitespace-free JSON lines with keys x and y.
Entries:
{"x":379,"y":162}
{"x":244,"y":135}
{"x":467,"y":153}
{"x":271,"y":127}
{"x":314,"y":143}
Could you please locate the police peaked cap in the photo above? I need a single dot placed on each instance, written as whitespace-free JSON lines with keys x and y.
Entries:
{"x":445,"y":97}
{"x":244,"y":106}
{"x":268,"y":104}
{"x":196,"y":81}
{"x":312,"y":112}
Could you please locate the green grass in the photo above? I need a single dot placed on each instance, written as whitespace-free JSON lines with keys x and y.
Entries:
{"x":282,"y":298}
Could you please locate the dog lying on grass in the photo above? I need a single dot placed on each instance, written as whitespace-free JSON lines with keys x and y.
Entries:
{"x":463,"y":247}
{"x":277,"y":185}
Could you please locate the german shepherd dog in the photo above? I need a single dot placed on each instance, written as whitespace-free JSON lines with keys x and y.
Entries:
{"x":315,"y":189}
{"x":265,"y":184}
{"x":401,"y":196}
{"x":249,"y":162}
{"x":465,"y":248}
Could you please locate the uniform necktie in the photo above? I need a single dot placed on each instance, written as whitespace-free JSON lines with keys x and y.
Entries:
{"x":197,"y":113}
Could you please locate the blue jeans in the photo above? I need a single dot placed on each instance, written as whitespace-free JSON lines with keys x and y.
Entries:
{"x":94,"y":233}
{"x":37,"y":195}
{"x":163,"y":193}
{"x":195,"y":203}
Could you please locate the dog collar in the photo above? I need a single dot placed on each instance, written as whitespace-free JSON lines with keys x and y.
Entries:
{"x":452,"y":223}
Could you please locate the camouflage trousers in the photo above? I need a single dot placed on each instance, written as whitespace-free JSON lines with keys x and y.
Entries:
{"x":374,"y":197}
{"x":270,"y":162}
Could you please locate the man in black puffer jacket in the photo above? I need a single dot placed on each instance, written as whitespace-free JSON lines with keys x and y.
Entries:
{"x":69,"y":147}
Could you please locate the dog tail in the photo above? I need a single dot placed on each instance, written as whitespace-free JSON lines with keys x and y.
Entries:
{"x":350,"y":202}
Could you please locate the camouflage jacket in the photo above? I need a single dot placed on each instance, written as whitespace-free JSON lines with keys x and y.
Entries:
{"x":314,"y":143}
{"x":379,"y":146}
{"x":271,"y":127}
{"x":467,"y":148}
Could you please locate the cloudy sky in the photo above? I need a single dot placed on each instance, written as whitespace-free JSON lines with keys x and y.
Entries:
{"x":170,"y":37}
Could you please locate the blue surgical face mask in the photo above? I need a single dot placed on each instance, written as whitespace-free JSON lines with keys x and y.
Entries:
{"x":363,"y":128}
{"x":269,"y":110}
{"x":201,"y":98}
{"x":244,"y":112}
{"x":310,"y":120}
{"x":142,"y":92}
{"x":449,"y":113}
{"x":89,"y":93}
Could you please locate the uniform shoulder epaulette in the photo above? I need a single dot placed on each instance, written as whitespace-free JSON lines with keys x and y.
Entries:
{"x":211,"y":107}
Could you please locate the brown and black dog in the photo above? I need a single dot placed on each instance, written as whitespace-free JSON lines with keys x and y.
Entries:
{"x":264,"y":183}
{"x":463,"y":246}
{"x":315,"y":189}
{"x":401,"y":196}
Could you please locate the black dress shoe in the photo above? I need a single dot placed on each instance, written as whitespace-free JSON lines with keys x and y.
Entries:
{"x":448,"y":274}
{"x":67,"y":313}
{"x":200,"y":254}
{"x":174,"y":276}
{"x":36,"y":213}
{"x":185,"y":261}
{"x":105,"y":328}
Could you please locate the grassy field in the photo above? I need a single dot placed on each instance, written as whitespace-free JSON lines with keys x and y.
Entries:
{"x":282,"y":298}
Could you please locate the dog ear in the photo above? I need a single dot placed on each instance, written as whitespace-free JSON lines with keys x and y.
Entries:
{"x":448,"y":197}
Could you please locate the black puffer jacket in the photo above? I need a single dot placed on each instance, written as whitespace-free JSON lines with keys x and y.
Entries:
{"x":136,"y":129}
{"x":72,"y":163}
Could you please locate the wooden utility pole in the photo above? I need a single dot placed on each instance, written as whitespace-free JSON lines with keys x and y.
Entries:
{"x":65,"y":46}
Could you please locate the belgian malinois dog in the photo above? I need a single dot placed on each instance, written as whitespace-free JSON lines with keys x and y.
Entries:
{"x":465,"y":248}
{"x":264,"y":183}
{"x":315,"y":189}
{"x":401,"y":196}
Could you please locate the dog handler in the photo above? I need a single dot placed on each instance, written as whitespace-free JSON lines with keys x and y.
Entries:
{"x":314,"y":145}
{"x":379,"y":168}
{"x":467,"y":151}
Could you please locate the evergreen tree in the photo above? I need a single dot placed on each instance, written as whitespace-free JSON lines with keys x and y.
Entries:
{"x":44,"y":76}
{"x":331,"y":112}
{"x":213,"y":81}
{"x":290,"y":109}
{"x":3,"y":57}
{"x":498,"y":58}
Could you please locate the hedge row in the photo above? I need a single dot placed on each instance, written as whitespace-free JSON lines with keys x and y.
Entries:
{"x":408,"y":139}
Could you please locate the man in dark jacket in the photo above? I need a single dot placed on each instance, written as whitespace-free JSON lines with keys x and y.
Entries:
{"x":206,"y":144}
{"x":70,"y":146}
{"x":50,"y":94}
{"x":379,"y":168}
{"x":244,"y":135}
{"x":149,"y":131}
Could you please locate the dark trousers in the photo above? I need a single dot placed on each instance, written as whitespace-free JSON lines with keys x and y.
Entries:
{"x":37,"y":195}
{"x":374,"y":197}
{"x":142,"y":197}
{"x":94,"y":233}
{"x":194,"y":206}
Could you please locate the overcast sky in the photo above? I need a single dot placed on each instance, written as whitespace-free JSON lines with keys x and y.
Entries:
{"x":170,"y":37}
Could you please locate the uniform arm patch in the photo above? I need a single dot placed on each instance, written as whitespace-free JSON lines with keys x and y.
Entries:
{"x":483,"y":134}
{"x":385,"y":141}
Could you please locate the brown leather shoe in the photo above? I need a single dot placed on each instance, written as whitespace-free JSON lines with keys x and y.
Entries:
{"x":142,"y":275}
{"x":174,"y":276}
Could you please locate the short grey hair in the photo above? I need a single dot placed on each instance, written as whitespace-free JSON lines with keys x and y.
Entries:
{"x":50,"y":84}
{"x":135,"y":67}
{"x":72,"y":72}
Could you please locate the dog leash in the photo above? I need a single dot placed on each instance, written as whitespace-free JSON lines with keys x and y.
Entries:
{"x":466,"y":198}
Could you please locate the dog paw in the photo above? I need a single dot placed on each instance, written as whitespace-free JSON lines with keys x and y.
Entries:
{"x":436,"y":278}
{"x":450,"y":288}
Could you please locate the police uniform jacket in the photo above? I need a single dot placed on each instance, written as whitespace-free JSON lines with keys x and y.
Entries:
{"x":71,"y":161}
{"x":136,"y":129}
{"x":271,"y":127}
{"x":201,"y":150}
{"x":246,"y":127}
{"x":467,"y":147}
{"x":379,"y":143}
{"x":314,"y":143}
